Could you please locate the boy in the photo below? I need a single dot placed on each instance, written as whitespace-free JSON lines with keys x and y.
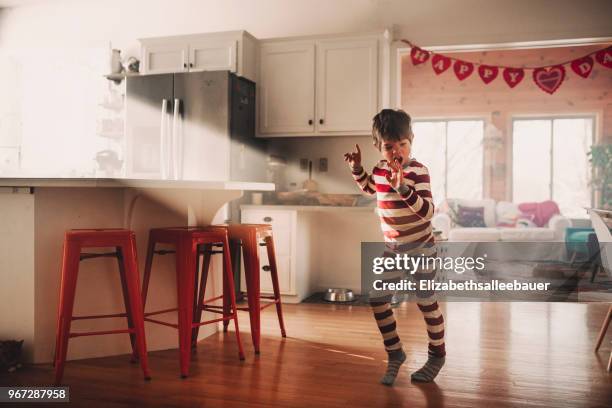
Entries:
{"x":405,"y":207}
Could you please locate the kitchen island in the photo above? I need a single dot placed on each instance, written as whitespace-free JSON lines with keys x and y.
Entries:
{"x":35,"y":213}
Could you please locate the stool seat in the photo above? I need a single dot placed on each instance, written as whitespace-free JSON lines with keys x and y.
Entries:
{"x":187,"y":241}
{"x":124,"y":243}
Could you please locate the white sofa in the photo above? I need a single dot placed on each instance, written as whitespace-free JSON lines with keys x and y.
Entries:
{"x":553,"y":231}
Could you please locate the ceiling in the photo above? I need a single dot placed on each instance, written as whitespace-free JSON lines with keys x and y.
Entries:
{"x":13,"y":3}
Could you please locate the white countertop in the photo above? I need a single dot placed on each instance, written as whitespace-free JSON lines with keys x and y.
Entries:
{"x":307,"y":207}
{"x":135,"y":183}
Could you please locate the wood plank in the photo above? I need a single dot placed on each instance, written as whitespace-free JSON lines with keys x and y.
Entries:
{"x":499,"y":354}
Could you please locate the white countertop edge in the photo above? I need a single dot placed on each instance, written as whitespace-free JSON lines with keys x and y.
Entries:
{"x":306,"y":207}
{"x":136,"y":183}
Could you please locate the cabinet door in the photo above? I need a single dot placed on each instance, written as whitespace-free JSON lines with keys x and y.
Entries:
{"x":282,"y":227}
{"x":165,"y":58}
{"x":212,"y":55}
{"x":347,"y":85}
{"x":286,"y":88}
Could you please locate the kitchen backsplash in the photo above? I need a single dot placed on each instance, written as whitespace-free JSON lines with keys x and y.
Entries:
{"x":337,"y":178}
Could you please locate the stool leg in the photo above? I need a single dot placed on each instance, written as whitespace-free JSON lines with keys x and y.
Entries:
{"x":132,"y":280}
{"x":275,"y":285}
{"x":185,"y":266}
{"x":227,"y":302}
{"x":126,"y":302}
{"x":70,"y":270}
{"x":251,"y":263}
{"x":228,"y":273}
{"x":147,"y":272}
{"x":201,"y":293}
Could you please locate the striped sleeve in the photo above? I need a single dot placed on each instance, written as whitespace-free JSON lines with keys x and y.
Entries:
{"x":364,"y":180}
{"x":419,"y":197}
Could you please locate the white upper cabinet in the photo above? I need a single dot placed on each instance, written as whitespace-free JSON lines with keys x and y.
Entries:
{"x":210,"y":54}
{"x":161,"y":58}
{"x":323,"y":85}
{"x":286,"y":92}
{"x":234,"y":51}
{"x":347,"y":85}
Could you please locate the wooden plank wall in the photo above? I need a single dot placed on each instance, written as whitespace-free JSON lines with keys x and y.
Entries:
{"x":427,"y":95}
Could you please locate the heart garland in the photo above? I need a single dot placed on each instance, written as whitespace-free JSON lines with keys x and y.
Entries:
{"x":604,"y":57}
{"x":463,"y":69}
{"x":487,"y":73}
{"x":583,"y":66}
{"x":548,"y":78}
{"x":440,"y":63}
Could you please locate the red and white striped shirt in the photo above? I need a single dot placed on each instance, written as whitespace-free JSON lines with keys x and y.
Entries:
{"x":405,"y":214}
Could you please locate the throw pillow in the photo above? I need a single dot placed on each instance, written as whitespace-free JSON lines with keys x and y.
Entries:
{"x":468,"y":216}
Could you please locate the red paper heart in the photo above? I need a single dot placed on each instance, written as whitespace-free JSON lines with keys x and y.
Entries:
{"x":513,"y":76}
{"x":549,"y":79}
{"x":604,"y":57}
{"x":487,"y":73}
{"x":440,"y":63}
{"x":583,"y":66}
{"x":418,"y":55}
{"x":463,"y":69}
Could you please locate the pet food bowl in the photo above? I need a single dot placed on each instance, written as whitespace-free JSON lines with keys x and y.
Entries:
{"x":339,"y":295}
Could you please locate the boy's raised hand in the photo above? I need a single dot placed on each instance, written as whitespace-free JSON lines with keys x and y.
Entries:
{"x":396,"y":178}
{"x":353,"y":158}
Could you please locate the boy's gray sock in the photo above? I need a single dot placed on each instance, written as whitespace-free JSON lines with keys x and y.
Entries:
{"x":396,"y":359}
{"x":430,"y":370}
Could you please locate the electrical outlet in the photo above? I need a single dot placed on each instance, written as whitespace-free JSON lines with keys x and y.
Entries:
{"x":323,"y":164}
{"x":304,"y":164}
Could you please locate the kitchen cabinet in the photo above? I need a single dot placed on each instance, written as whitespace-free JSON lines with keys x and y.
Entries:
{"x":323,"y":85}
{"x":235,"y":51}
{"x":292,"y":243}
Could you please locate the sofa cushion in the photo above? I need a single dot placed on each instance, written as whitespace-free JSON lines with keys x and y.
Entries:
{"x":527,"y":234}
{"x":469,"y":216}
{"x":488,"y":204}
{"x":474,"y":234}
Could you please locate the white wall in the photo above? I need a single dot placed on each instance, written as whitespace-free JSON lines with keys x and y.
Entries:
{"x":444,"y":22}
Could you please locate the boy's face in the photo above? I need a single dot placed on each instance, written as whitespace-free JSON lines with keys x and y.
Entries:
{"x":399,"y":150}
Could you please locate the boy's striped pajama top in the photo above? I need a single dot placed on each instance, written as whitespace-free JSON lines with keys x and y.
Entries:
{"x":405,"y":218}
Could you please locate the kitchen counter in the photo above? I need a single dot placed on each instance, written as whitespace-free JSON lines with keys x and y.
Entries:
{"x":36,"y":212}
{"x":308,"y":207}
{"x":135,"y":183}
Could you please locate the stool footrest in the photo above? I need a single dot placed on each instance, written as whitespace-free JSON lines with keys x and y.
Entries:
{"x":164,"y":251}
{"x":99,"y":316}
{"x":160,"y":312}
{"x":85,"y":255}
{"x":229,"y":317}
{"x":102,"y":332}
{"x":147,"y":319}
{"x":268,"y":305}
{"x":209,"y":308}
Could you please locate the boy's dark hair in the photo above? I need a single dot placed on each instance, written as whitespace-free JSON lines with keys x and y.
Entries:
{"x":391,"y":126}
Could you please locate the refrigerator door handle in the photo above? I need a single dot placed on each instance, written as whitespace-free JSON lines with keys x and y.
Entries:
{"x":176,"y":142}
{"x":163,"y":141}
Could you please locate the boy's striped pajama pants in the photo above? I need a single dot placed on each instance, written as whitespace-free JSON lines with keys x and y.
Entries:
{"x":380,"y":301}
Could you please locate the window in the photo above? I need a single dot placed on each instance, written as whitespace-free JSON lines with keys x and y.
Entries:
{"x":452,"y":150}
{"x":549,"y":162}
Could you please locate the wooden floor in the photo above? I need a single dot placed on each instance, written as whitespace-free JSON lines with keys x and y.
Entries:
{"x":499,"y":355}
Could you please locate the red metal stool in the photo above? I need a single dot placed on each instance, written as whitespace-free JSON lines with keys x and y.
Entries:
{"x":187,"y":241}
{"x":250,"y":235}
{"x":125,"y":251}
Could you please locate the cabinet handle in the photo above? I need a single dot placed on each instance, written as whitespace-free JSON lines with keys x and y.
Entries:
{"x":266,"y":268}
{"x":184,"y":65}
{"x":191,"y":65}
{"x":267,"y":219}
{"x":310,"y":121}
{"x":320,"y":121}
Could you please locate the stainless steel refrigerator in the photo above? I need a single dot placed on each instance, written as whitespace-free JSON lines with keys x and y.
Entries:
{"x":193,"y":126}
